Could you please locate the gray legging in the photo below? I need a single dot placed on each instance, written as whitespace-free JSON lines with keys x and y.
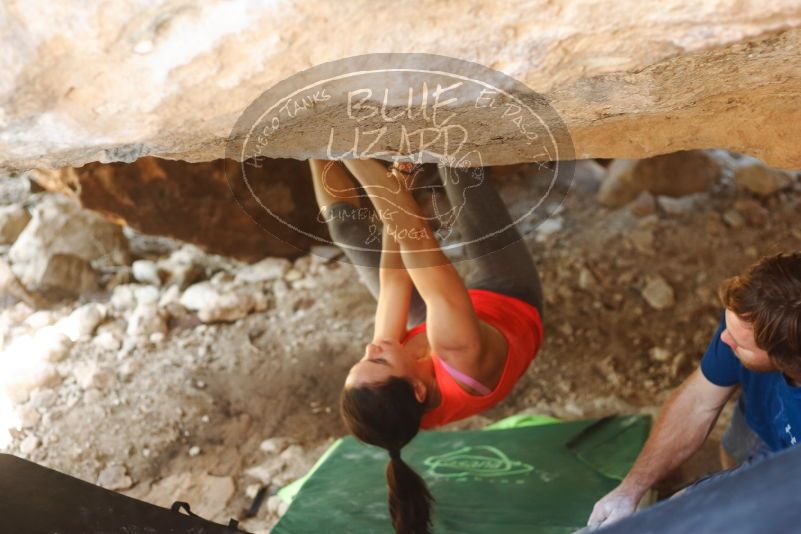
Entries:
{"x":502,"y":261}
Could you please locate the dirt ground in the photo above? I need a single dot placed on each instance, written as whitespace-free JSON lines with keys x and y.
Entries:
{"x":184,"y":416}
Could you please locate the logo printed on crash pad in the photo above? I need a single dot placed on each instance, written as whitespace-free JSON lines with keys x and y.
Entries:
{"x":482,"y":461}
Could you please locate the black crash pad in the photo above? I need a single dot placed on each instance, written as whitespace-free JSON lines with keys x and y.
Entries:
{"x":38,"y":500}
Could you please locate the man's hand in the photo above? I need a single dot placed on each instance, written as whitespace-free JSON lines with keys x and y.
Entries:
{"x":616,"y":505}
{"x":683,"y":424}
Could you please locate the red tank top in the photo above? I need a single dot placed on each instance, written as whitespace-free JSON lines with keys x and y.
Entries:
{"x":520,"y":324}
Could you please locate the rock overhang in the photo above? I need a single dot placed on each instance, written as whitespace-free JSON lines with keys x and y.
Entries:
{"x":109,"y":83}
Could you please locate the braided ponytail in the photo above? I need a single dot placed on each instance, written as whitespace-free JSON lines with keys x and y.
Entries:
{"x":388,"y":415}
{"x":409,"y":498}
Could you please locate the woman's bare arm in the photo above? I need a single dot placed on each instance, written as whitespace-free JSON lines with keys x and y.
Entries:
{"x":453,"y":329}
{"x":394,"y":294}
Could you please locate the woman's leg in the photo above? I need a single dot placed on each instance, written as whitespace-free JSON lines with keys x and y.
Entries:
{"x":503,"y":262}
{"x":354,"y":227}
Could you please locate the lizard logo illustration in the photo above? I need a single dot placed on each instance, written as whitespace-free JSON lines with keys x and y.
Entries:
{"x":482,"y":461}
{"x":413,"y":109}
{"x":444,"y":213}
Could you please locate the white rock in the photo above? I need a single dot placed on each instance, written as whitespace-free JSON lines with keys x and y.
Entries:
{"x":292,"y":275}
{"x":266,"y":270}
{"x":57,"y":275}
{"x":59,"y":242}
{"x":275,"y":445}
{"x":215,"y":303}
{"x":50,"y":344}
{"x":277,"y":506}
{"x":734,"y":219}
{"x":157,"y":337}
{"x":123,"y":297}
{"x":171,"y":296}
{"x":753,"y":175}
{"x":130,"y":367}
{"x":658,"y":293}
{"x":28,"y":416}
{"x":293,"y":454}
{"x":92,"y":396}
{"x":114,"y":477}
{"x":548,"y":228}
{"x":146,"y":320}
{"x":43,"y":398}
{"x":13,"y":220}
{"x":587,"y":280}
{"x":267,"y":471}
{"x":252,"y":490}
{"x":194,"y":451}
{"x":91,"y":375}
{"x":681,"y":206}
{"x":40,"y":319}
{"x":147,"y":294}
{"x":660,"y":354}
{"x":83,"y":321}
{"x":184,"y":266}
{"x":107,"y":341}
{"x":198,"y":296}
{"x":29,"y":444}
{"x":146,"y":272}
{"x":26,"y":377}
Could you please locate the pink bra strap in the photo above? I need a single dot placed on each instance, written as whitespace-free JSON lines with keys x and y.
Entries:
{"x":463,"y":378}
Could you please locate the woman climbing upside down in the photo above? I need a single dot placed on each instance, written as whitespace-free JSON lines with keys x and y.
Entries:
{"x":443,"y":348}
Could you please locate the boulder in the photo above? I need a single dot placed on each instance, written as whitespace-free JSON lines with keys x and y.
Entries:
{"x":57,"y":275}
{"x":60,"y":226}
{"x":215,"y":302}
{"x":10,"y":284}
{"x":672,"y":175}
{"x":752,"y":175}
{"x":55,"y":251}
{"x":13,"y":220}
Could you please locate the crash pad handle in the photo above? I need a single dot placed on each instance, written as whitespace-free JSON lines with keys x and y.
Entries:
{"x":177,"y":506}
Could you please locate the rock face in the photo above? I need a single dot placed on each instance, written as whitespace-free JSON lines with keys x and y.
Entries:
{"x":194,"y":203}
{"x":113,"y":82}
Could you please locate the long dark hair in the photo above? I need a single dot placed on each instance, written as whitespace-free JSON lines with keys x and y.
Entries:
{"x":388,"y":415}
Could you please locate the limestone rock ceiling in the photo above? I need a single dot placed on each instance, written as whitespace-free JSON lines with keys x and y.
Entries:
{"x":113,"y":81}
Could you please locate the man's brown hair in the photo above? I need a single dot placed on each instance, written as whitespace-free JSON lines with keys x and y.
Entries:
{"x":768,"y":296}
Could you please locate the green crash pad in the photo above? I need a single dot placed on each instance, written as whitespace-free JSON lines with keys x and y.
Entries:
{"x":534,"y":479}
